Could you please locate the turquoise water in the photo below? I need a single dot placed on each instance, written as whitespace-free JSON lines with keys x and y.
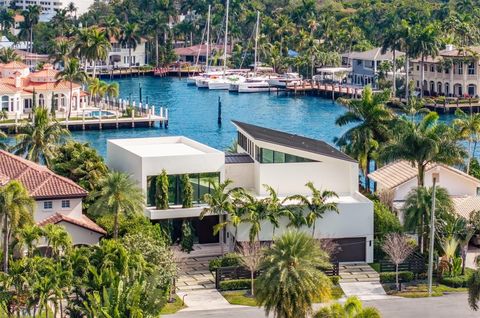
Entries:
{"x":193,"y":113}
{"x":97,"y":113}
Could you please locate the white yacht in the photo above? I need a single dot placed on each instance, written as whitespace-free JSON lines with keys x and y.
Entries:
{"x":285,"y":79}
{"x":223,"y":82}
{"x":256,"y":85}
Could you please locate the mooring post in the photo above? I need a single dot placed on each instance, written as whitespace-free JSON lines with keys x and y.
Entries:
{"x":219,"y":118}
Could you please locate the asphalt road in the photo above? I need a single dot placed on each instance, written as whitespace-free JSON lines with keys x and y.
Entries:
{"x":448,"y":306}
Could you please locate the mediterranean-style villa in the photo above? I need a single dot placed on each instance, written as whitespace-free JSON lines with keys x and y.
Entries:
{"x":284,"y":161}
{"x":453,"y":73}
{"x":58,"y":200}
{"x":19,"y":87}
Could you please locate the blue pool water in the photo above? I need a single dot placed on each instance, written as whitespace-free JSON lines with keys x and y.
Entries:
{"x":193,"y":113}
{"x":96,"y":113}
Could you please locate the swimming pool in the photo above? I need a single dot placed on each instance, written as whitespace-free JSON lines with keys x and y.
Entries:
{"x":97,"y":113}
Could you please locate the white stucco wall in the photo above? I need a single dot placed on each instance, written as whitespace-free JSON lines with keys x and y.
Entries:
{"x":456,"y":184}
{"x":74,"y":211}
{"x":354,"y":220}
{"x":78,"y":234}
{"x":242,"y":175}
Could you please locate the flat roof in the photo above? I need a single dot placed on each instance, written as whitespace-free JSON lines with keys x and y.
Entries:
{"x":163,"y":146}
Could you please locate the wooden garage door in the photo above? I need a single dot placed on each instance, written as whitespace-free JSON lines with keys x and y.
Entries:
{"x":351,"y":249}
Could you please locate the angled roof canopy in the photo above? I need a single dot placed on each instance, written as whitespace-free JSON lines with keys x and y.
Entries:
{"x":292,"y":141}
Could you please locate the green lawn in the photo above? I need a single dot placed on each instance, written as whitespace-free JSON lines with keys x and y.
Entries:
{"x":171,"y":308}
{"x":240,"y":297}
{"x":421,"y":290}
{"x":375,"y":266}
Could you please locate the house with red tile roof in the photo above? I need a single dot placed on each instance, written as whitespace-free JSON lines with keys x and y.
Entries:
{"x":58,"y":200}
{"x":19,"y":88}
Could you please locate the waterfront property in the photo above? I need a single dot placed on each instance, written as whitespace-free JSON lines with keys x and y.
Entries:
{"x":191,"y":53}
{"x":365,"y":65}
{"x":58,"y":200}
{"x":397,"y":179}
{"x":284,"y":161}
{"x":454,"y":72}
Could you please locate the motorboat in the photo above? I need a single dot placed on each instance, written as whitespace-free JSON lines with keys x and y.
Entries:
{"x":285,"y":79}
{"x":223,"y":82}
{"x":256,"y":85}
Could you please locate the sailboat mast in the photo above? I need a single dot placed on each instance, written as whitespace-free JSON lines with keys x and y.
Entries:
{"x":256,"y":44}
{"x":208,"y":39}
{"x":225,"y":41}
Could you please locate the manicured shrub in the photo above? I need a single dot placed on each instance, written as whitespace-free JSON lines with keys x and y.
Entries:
{"x":389,"y":277}
{"x":228,"y":260}
{"x":235,"y":284}
{"x":455,"y":282}
{"x":214,"y":264}
{"x":335,"y":279}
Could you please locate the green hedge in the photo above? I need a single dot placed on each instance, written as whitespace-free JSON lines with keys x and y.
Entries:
{"x":229,"y":259}
{"x":390,"y":277}
{"x":457,"y":281}
{"x":334,"y":279}
{"x":235,"y":284}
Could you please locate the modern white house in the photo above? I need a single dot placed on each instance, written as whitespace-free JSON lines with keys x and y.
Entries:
{"x":265,"y":156}
{"x":58,"y":200}
{"x":400,"y":177}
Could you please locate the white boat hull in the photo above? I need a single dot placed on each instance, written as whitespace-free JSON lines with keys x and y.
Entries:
{"x":202,"y":83}
{"x":218,"y":85}
{"x":258,"y":87}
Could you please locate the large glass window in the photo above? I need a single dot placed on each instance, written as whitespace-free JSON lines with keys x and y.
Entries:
{"x":5,"y":101}
{"x":201,"y":184}
{"x":471,"y":69}
{"x":270,"y":156}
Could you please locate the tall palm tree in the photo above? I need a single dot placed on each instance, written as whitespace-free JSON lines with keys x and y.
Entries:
{"x":16,"y":210}
{"x":7,"y":20}
{"x":61,"y":21}
{"x":468,"y":128}
{"x":118,"y":194}
{"x":28,"y":237}
{"x":97,"y":89}
{"x":317,"y":204}
{"x":8,"y":55}
{"x":61,"y":51}
{"x":97,"y":47}
{"x":38,"y":140}
{"x":290,"y":279}
{"x":32,"y":16}
{"x":158,"y":24}
{"x":57,"y":238}
{"x":219,"y":202}
{"x":275,"y":208}
{"x":417,"y":209}
{"x":112,"y":90}
{"x":71,"y":73}
{"x":371,"y":119}
{"x":129,"y":36}
{"x":423,"y":143}
{"x":111,"y":27}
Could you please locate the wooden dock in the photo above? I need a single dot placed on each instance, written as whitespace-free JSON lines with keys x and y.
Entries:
{"x":332,"y":91}
{"x":450,"y":105}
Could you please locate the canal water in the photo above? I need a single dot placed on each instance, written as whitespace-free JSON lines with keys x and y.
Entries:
{"x":193,"y":113}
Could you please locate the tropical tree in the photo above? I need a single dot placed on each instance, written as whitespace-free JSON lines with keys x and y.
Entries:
{"x":417,"y":209}
{"x":118,"y":194}
{"x":129,"y":36}
{"x":111,"y":27}
{"x":371,"y":119}
{"x":38,"y":141}
{"x":290,"y":279}
{"x":474,"y":290}
{"x":96,"y":47}
{"x":352,"y":308}
{"x":219,"y":202}
{"x":422,"y":143}
{"x":28,"y":237}
{"x":275,"y":208}
{"x":31,"y":17}
{"x":71,"y":73}
{"x":7,"y":55}
{"x":61,"y":51}
{"x":7,"y":20}
{"x":468,"y":128}
{"x":57,"y":238}
{"x":397,"y":248}
{"x":161,"y":191}
{"x":317,"y":204}
{"x":16,"y":210}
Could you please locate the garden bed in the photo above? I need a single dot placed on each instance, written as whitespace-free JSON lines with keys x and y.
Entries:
{"x":171,"y":308}
{"x":421,"y":290}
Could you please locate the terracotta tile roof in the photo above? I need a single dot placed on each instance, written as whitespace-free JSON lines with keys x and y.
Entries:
{"x":49,"y":86}
{"x":193,"y":50}
{"x":14,"y":65}
{"x":44,"y":73}
{"x":40,"y":182}
{"x":401,"y":171}
{"x":82,"y":222}
{"x":9,"y":88}
{"x":18,"y":18}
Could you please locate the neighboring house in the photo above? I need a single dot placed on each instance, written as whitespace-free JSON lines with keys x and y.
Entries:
{"x":400,"y":177}
{"x":18,"y":86}
{"x":50,"y":7}
{"x":58,"y":200}
{"x":265,"y":156}
{"x":453,"y":72}
{"x":190,"y":54}
{"x":365,"y":65}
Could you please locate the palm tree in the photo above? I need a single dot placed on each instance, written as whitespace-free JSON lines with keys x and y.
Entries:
{"x":38,"y":140}
{"x":392,"y":40}
{"x":290,"y":279}
{"x":371,"y":119}
{"x":352,"y":308}
{"x":129,"y":36}
{"x":474,"y":290}
{"x":158,"y":24}
{"x":7,"y":20}
{"x":219,"y":202}
{"x":112,"y":90}
{"x":28,"y":237}
{"x":425,"y":42}
{"x":111,"y":27}
{"x":96,"y":48}
{"x":97,"y":89}
{"x":316,"y":204}
{"x":423,"y":143}
{"x":16,"y":209}
{"x":61,"y":21}
{"x":468,"y":128}
{"x":275,"y":208}
{"x":417,"y":209}
{"x":118,"y":194}
{"x":8,"y":55}
{"x":71,"y":73}
{"x":413,"y":107}
{"x":57,"y":238}
{"x":31,"y":15}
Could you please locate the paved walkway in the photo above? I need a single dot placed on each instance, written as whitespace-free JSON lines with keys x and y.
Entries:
{"x":195,"y":284}
{"x":362,"y":281}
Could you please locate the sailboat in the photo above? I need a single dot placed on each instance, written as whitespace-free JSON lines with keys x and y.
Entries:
{"x":224,"y":81}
